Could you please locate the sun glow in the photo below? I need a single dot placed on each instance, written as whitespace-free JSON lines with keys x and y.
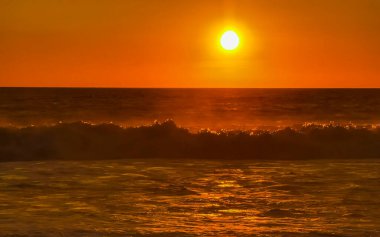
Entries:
{"x":229,"y":40}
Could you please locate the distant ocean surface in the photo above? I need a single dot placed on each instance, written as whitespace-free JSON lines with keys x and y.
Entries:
{"x":190,"y":108}
{"x":38,"y":123}
{"x":189,"y":162}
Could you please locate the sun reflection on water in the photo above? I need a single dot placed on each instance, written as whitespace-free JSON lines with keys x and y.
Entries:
{"x":179,"y":199}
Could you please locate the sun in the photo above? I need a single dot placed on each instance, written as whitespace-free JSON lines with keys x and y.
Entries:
{"x":229,"y":40}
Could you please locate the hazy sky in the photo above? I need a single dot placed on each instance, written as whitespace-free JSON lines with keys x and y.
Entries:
{"x":174,"y":43}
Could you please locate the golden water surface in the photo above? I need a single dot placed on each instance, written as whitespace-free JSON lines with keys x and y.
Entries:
{"x":190,"y":198}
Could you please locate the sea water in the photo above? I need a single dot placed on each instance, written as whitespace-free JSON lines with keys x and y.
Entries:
{"x":190,"y":198}
{"x":228,"y":162}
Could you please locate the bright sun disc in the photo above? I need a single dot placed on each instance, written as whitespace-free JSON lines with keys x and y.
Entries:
{"x":230,"y":40}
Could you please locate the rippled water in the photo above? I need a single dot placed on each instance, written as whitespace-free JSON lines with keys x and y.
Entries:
{"x":190,"y":198}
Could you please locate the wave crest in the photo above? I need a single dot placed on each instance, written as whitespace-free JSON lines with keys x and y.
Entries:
{"x":85,"y":141}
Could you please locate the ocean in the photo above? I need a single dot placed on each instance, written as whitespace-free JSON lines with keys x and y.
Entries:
{"x":190,"y":162}
{"x":190,"y":108}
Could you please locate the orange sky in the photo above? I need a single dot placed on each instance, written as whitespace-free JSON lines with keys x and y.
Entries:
{"x":174,"y":43}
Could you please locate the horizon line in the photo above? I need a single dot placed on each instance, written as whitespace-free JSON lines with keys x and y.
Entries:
{"x":105,"y":87}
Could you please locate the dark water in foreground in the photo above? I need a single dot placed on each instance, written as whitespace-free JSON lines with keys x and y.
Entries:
{"x":190,"y":198}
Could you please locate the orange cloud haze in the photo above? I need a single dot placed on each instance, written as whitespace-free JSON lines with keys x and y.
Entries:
{"x":168,"y":43}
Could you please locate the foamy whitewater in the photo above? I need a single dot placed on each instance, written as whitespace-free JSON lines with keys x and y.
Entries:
{"x":189,"y":162}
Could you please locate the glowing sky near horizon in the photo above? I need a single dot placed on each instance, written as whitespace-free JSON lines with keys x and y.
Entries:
{"x":167,"y":43}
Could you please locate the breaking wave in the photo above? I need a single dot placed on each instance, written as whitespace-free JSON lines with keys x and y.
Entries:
{"x":85,"y":141}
